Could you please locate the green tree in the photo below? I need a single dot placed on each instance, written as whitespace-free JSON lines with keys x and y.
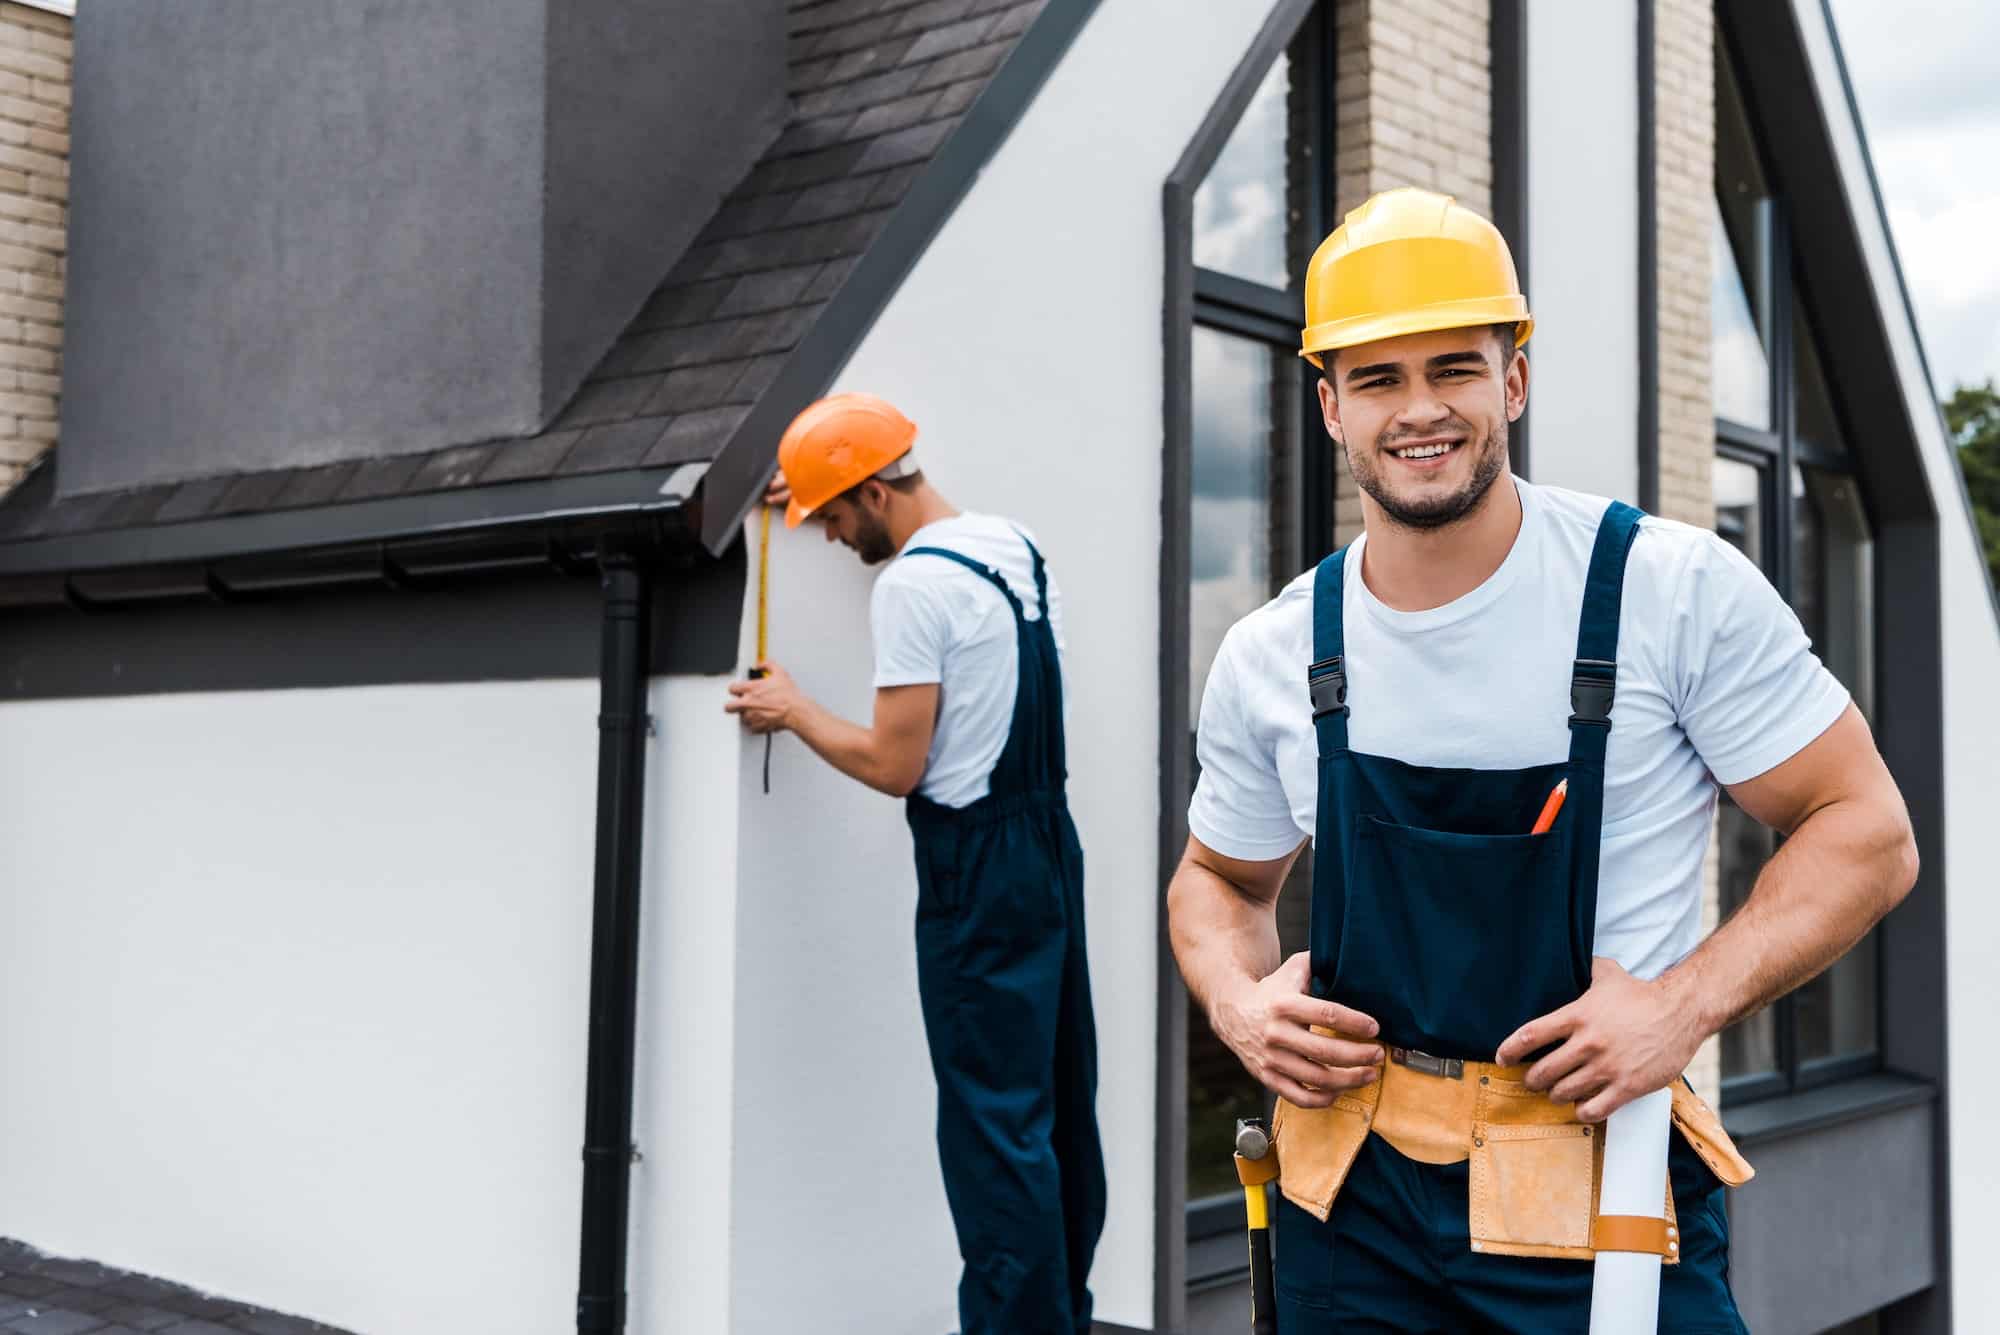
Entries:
{"x":1973,"y":414}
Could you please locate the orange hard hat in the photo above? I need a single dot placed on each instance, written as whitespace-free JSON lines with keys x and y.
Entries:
{"x":838,"y":443}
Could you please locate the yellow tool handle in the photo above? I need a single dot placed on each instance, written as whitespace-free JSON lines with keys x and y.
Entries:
{"x":1263,"y":1286}
{"x":1257,"y":1205}
{"x":1256,"y":1174}
{"x":764,"y":588}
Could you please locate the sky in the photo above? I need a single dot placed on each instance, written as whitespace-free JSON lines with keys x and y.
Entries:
{"x":1927,"y":76}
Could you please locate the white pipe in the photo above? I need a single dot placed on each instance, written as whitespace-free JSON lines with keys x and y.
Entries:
{"x":1625,"y":1291}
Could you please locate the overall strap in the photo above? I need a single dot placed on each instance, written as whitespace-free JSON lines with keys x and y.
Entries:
{"x":1593,"y":684}
{"x":1032,"y":761}
{"x":1041,"y":575}
{"x":980,"y":569}
{"x":1327,"y":675}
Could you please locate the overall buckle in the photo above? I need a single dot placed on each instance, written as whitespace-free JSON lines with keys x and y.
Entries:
{"x":1328,"y":680}
{"x":1592,"y":686}
{"x":1450,"y":1068}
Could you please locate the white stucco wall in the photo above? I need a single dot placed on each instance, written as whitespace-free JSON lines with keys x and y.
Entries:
{"x":293,"y":989}
{"x":683,"y":1216}
{"x":1971,"y":760}
{"x":1583,"y":239}
{"x":1026,"y":344}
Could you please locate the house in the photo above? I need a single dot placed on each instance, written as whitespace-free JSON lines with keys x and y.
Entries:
{"x":371,"y":836}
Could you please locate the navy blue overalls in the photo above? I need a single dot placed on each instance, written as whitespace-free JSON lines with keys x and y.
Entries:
{"x":1006,"y":998}
{"x":1436,"y":912}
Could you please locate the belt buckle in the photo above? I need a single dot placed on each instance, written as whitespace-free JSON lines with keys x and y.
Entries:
{"x":1449,"y":1068}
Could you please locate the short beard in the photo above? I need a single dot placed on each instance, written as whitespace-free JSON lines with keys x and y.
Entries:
{"x":1445,"y":510}
{"x":871,"y":540}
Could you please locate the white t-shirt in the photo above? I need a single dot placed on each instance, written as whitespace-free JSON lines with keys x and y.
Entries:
{"x":937,"y":622}
{"x":1716,"y":683}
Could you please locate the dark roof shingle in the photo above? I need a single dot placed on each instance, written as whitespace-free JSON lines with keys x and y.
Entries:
{"x":46,"y":1293}
{"x":877,"y":87}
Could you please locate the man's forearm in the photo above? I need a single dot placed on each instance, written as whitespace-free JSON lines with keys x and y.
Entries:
{"x":848,"y":747}
{"x":1835,"y":877}
{"x":1221,"y":936}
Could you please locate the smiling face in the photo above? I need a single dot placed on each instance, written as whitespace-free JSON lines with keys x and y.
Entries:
{"x":1424,"y":419}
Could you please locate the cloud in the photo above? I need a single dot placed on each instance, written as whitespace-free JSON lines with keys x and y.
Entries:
{"x":1953,"y":270}
{"x":1239,"y":209}
{"x":1928,"y":82}
{"x":1922,"y":63}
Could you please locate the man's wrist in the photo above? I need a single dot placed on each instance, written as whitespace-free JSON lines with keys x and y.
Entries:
{"x":1225,"y":1006}
{"x":1689,"y":1002}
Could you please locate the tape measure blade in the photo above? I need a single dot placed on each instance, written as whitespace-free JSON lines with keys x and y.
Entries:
{"x":764,"y":589}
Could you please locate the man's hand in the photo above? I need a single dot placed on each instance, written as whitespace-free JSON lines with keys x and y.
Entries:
{"x":778,"y":491}
{"x":1621,"y":1040}
{"x":765,"y":704}
{"x":1267,"y":1024}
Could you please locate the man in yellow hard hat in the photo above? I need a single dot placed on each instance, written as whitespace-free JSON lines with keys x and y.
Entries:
{"x":1501,"y":718}
{"x":968,"y":726}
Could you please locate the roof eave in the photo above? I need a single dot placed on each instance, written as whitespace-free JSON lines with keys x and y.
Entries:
{"x":743,"y":466}
{"x":425,"y":537}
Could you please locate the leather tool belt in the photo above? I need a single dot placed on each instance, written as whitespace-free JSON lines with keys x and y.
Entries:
{"x":1536,"y":1170}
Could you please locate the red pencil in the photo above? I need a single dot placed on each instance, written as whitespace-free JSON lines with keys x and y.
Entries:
{"x":1545,"y":821}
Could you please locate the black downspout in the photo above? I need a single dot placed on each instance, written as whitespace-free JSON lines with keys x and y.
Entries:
{"x":1507,"y":40}
{"x":614,"y":947}
{"x":1649,"y":269}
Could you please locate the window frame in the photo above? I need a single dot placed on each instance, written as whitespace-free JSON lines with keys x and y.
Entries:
{"x":1776,"y":453}
{"x":1239,"y":307}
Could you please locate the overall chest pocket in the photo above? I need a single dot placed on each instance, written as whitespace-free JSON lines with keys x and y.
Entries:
{"x":1459,"y":938}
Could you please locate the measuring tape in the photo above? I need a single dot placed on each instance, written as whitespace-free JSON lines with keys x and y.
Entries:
{"x":764,"y":621}
{"x":764,"y":593}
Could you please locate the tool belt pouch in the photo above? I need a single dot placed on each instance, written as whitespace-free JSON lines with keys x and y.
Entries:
{"x":1702,"y":1130}
{"x":1534,"y":1175}
{"x":1316,"y":1147}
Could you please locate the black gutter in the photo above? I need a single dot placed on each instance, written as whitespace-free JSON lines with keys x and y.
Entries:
{"x":608,"y":1151}
{"x":453,"y":511}
{"x":1649,"y":270}
{"x":567,"y":540}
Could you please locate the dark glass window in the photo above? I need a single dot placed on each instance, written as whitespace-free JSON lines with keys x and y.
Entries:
{"x":1741,"y":368}
{"x":1244,"y":430}
{"x":1261,"y":484}
{"x":1786,"y":496}
{"x":1741,"y":299}
{"x":1242,"y":215}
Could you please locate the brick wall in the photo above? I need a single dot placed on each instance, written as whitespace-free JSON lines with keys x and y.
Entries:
{"x":1427,"y":122}
{"x":34,"y":217}
{"x":1684,"y":155}
{"x":1684,"y":141}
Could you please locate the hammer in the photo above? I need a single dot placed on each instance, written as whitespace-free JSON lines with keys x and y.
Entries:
{"x":1257,"y":1168}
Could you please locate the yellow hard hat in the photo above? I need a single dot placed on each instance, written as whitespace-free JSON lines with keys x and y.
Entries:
{"x":1407,"y":262}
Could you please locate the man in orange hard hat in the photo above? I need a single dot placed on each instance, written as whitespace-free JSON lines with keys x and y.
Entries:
{"x":1484,"y":986}
{"x":968,"y":726}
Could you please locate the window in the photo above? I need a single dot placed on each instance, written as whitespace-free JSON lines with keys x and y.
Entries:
{"x":1260,"y":503}
{"x":1786,"y":495}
